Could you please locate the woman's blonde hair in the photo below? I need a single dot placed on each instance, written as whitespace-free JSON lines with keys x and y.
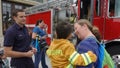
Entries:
{"x":93,"y":29}
{"x":84,"y":21}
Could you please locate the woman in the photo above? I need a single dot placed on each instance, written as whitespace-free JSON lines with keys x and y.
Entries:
{"x":40,"y":31}
{"x":84,"y":30}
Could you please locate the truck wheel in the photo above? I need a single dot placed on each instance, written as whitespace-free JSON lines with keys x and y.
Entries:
{"x":113,"y":48}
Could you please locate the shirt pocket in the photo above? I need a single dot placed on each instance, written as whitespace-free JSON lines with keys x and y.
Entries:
{"x":20,"y":37}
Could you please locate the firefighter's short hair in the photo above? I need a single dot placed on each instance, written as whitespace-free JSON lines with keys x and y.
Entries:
{"x":15,"y":12}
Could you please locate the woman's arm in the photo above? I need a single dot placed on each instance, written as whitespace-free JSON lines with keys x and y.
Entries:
{"x":34,"y":35}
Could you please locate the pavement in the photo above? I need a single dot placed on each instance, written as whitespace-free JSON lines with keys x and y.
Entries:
{"x":47,"y":62}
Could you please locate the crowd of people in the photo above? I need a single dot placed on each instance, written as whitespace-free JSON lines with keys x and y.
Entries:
{"x":62,"y":53}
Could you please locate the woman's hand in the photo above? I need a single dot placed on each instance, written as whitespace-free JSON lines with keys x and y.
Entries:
{"x":46,"y":27}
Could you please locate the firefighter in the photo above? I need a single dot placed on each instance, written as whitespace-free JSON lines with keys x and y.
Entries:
{"x":17,"y":42}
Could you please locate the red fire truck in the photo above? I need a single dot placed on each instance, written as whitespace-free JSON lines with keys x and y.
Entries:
{"x":105,"y":14}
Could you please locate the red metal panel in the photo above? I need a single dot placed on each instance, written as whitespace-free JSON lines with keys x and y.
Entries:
{"x":112,"y":28}
{"x":78,"y":9}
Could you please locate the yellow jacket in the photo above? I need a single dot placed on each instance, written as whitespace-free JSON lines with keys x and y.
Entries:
{"x":63,"y":55}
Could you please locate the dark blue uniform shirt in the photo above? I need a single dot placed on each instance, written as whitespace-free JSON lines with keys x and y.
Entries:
{"x":18,"y":38}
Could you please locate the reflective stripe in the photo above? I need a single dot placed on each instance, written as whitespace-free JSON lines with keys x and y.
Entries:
{"x":86,"y":58}
{"x":70,"y":66}
{"x":73,"y":57}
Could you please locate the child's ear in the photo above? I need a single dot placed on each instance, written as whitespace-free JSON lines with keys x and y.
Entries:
{"x":69,"y":36}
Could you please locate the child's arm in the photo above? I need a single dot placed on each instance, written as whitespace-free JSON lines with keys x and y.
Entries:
{"x":79,"y":59}
{"x":82,"y":59}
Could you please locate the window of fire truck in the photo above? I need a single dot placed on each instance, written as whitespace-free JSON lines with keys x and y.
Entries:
{"x":85,"y":9}
{"x":97,"y":7}
{"x":114,"y":8}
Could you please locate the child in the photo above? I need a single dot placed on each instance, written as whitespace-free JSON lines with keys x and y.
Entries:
{"x":62,"y":52}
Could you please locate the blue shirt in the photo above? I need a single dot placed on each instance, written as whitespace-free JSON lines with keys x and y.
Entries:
{"x":40,"y":32}
{"x":88,"y":44}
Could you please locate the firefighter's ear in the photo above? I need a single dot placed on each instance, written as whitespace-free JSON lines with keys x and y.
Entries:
{"x":14,"y":18}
